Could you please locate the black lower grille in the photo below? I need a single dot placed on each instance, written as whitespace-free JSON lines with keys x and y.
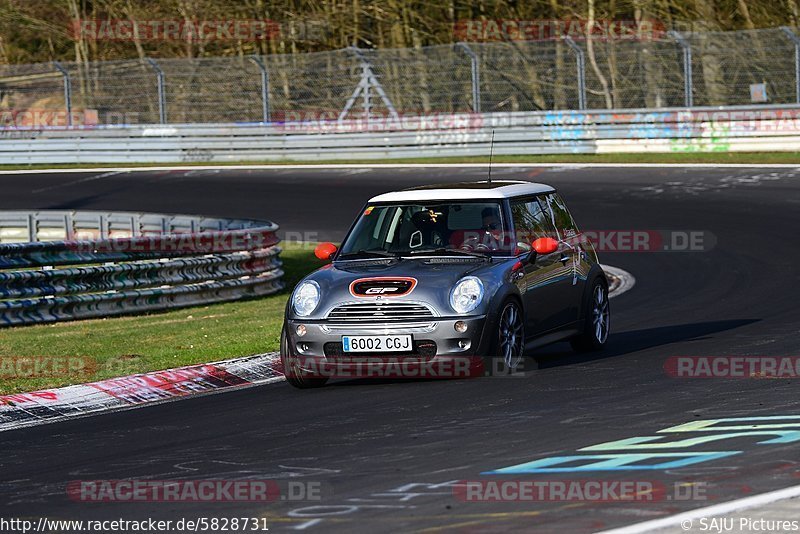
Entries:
{"x":424,"y":349}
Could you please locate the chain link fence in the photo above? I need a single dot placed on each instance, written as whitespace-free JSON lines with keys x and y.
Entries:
{"x":701,"y":69}
{"x":725,"y":64}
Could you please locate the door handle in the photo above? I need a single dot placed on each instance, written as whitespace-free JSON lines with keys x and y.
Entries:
{"x":564,"y":259}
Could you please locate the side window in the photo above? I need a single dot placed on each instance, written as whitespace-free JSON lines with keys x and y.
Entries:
{"x":530,"y":222}
{"x":556,"y":210}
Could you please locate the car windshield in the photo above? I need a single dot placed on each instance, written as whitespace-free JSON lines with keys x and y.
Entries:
{"x":435,"y":228}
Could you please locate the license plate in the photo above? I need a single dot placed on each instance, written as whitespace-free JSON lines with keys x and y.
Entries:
{"x":401,"y":343}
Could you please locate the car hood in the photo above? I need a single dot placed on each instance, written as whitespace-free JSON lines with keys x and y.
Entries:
{"x":435,"y":278}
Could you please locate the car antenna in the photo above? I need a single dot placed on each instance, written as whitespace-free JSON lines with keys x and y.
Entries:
{"x":491,"y":151}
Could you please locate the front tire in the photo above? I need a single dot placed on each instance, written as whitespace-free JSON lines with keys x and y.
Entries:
{"x":597,"y":323}
{"x":508,"y":347}
{"x":291,"y":369}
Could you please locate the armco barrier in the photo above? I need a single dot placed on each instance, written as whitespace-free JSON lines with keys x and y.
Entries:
{"x":62,"y":265}
{"x":742,"y":128}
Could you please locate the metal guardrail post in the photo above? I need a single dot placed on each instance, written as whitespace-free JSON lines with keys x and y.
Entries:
{"x":476,"y":76}
{"x":581,"y":66}
{"x":796,"y":40}
{"x":688,"y":97}
{"x":67,"y":90}
{"x":264,"y":87}
{"x":162,"y":100}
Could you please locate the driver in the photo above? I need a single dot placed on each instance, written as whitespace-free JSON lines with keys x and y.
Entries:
{"x":491,"y":219}
{"x":487,"y":237}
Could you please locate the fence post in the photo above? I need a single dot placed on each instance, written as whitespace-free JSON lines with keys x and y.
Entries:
{"x":366,"y":96}
{"x":688,"y":97}
{"x":581,"y":65}
{"x":162,"y":100}
{"x":264,"y":87}
{"x":67,"y":90}
{"x":476,"y":76}
{"x":796,"y":40}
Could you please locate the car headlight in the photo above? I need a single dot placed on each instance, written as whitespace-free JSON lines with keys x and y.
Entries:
{"x":467,"y":294}
{"x":305,"y":298}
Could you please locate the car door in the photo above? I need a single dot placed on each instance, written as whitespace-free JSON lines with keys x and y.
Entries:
{"x":570,"y":255}
{"x":544,"y":281}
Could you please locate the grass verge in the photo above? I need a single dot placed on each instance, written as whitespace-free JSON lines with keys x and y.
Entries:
{"x":136,"y":344}
{"x":672,"y":157}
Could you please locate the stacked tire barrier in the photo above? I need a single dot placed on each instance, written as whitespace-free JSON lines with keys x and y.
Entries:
{"x":65,"y":265}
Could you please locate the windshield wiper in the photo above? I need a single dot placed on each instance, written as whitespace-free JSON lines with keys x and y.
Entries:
{"x":378,"y":253}
{"x":446,"y":251}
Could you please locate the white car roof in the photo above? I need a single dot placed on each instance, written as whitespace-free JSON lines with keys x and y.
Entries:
{"x":496,"y":189}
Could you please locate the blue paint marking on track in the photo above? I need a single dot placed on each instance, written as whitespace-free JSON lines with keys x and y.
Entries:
{"x":630,"y":461}
{"x":611,"y":462}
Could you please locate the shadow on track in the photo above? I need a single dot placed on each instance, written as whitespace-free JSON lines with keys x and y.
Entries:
{"x":621,"y":343}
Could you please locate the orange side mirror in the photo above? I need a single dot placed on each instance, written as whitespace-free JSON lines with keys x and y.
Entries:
{"x":545,"y":245}
{"x":325,"y":251}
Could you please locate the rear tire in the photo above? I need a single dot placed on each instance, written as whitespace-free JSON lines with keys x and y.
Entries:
{"x":597,"y":323}
{"x":291,"y":369}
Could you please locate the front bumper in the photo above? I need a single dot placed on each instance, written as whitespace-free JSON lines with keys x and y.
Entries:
{"x":435,"y":340}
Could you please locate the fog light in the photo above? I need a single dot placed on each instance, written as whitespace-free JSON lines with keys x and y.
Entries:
{"x":301,"y":330}
{"x":460,"y":326}
{"x":304,"y":347}
{"x":463,"y":344}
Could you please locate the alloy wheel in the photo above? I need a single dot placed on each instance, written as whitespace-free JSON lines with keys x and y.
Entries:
{"x":511,"y":335}
{"x":600,"y":313}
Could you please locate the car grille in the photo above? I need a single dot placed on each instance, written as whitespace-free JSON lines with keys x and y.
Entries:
{"x":390,"y":287}
{"x":375,"y":312}
{"x":424,"y":349}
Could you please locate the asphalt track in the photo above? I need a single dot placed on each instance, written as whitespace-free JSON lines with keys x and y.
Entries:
{"x":384,"y":451}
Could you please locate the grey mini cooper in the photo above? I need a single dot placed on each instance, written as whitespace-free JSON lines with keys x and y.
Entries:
{"x":433,"y":280}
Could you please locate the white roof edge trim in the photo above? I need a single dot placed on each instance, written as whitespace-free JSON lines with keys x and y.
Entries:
{"x":506,"y":191}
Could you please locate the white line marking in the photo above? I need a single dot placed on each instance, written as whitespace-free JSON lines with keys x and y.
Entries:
{"x":415,"y":166}
{"x":80,"y":180}
{"x":307,"y":524}
{"x":708,"y":511}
